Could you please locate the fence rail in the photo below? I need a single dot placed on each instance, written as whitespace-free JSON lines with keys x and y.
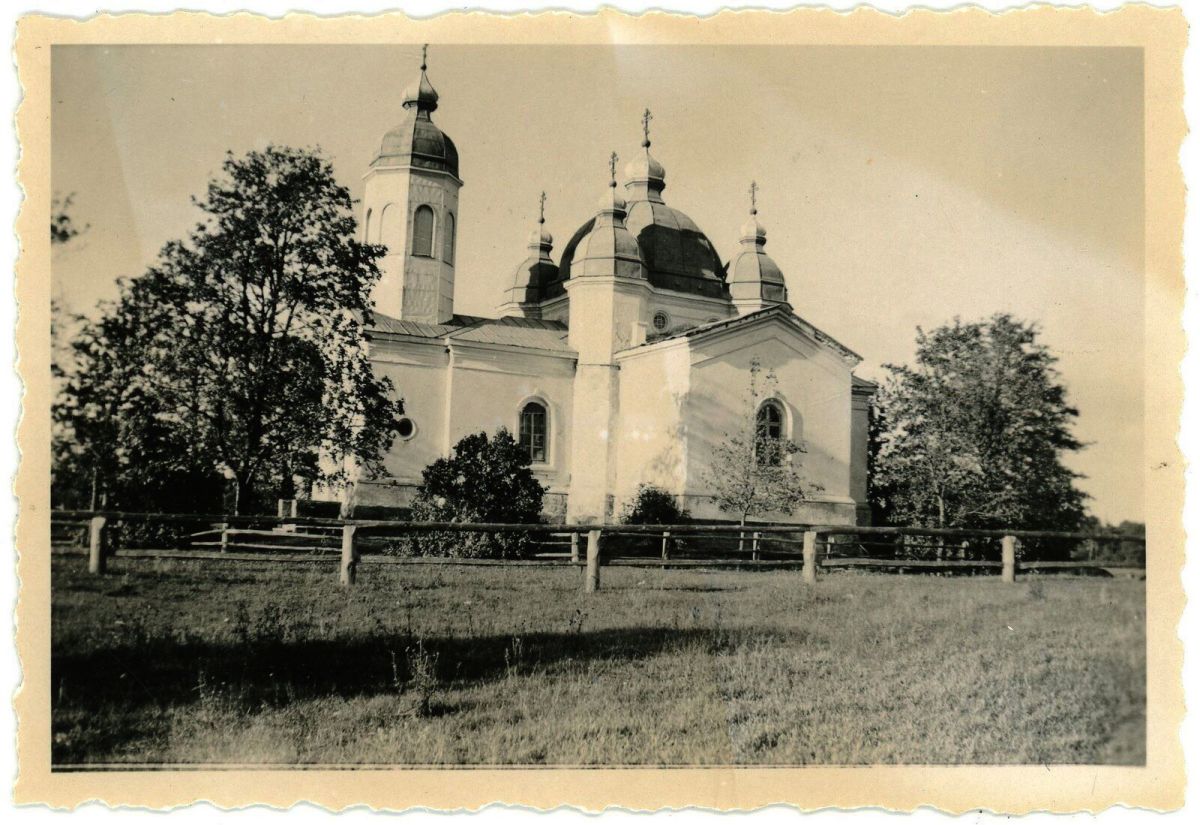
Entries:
{"x":801,"y":544}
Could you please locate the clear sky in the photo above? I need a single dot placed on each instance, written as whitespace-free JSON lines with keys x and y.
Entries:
{"x":900,"y":186}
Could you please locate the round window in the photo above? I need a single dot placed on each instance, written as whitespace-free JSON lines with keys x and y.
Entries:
{"x":661,"y":321}
{"x":406,"y":428}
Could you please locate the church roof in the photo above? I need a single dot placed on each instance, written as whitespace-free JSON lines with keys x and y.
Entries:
{"x":523,"y":333}
{"x":416,"y":141}
{"x":782,"y":311}
{"x":677,"y":255}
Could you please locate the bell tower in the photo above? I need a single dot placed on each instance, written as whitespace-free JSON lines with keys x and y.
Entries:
{"x":410,"y":205}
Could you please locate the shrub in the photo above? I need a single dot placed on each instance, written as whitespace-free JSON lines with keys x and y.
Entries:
{"x":652,"y":505}
{"x":485,"y":480}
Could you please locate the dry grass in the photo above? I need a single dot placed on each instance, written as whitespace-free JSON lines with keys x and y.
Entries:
{"x":196,"y":662}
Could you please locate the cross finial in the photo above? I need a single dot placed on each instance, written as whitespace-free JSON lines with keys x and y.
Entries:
{"x":646,"y":118}
{"x":612,"y":168}
{"x":753,"y":197}
{"x":424,"y":55}
{"x":542,"y":208}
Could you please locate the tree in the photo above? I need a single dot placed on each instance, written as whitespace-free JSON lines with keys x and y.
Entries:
{"x":754,"y":473}
{"x":242,"y":352}
{"x":485,"y":480}
{"x":63,"y":227}
{"x":975,"y":432}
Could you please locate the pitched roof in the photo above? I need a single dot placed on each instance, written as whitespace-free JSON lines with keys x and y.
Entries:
{"x":523,"y":333}
{"x":782,"y":311}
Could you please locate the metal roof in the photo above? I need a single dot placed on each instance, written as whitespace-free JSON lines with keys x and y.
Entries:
{"x":524,"y":333}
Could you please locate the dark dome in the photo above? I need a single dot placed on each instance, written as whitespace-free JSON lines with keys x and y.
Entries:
{"x":418,"y":142}
{"x":678,"y":256}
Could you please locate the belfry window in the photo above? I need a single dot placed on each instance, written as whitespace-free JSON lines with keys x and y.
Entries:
{"x":533,"y":431}
{"x":422,"y":238}
{"x":769,"y":432}
{"x":448,"y":239}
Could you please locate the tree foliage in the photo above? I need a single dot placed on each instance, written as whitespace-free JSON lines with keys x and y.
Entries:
{"x":63,"y":227}
{"x":241,"y":353}
{"x":974,"y":434}
{"x":752,"y":473}
{"x":653,"y":505}
{"x":485,"y":480}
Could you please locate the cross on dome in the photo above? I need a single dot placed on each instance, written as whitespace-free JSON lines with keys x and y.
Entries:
{"x":753,"y":197}
{"x":424,"y":56}
{"x":646,"y":118}
{"x":542,"y":208}
{"x":612,"y":169}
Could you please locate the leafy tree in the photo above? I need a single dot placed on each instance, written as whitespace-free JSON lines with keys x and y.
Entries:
{"x":485,"y":480}
{"x":752,"y":473}
{"x":241,"y":354}
{"x":975,"y":432}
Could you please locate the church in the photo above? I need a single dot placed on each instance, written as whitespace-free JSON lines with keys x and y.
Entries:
{"x":624,"y":362}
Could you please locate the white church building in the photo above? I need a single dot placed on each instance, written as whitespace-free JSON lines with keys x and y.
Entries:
{"x":624,"y":362}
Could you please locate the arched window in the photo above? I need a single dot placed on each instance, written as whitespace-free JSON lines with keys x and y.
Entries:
{"x":367,"y":228}
{"x":448,"y":239}
{"x":769,"y":445}
{"x":533,"y":431}
{"x":422,"y":238}
{"x":390,"y":232}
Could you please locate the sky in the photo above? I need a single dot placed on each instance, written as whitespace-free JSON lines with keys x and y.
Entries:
{"x":900,"y":186}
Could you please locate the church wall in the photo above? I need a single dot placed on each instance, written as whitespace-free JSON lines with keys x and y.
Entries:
{"x":814,"y":387}
{"x":651,"y":435}
{"x":415,"y":288}
{"x":418,"y":371}
{"x":687,"y":310}
{"x":490,"y":385}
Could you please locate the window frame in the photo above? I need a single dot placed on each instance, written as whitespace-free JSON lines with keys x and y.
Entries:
{"x":429,"y":253}
{"x":522,"y":409}
{"x":764,"y":410}
{"x":449,"y":238}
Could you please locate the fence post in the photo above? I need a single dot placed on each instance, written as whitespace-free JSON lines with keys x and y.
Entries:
{"x":810,"y":557}
{"x":1008,"y":558}
{"x":666,"y":545}
{"x":754,"y":545}
{"x":224,"y":536}
{"x":574,"y":548}
{"x":96,"y":556}
{"x":591,"y":581}
{"x":349,"y":567}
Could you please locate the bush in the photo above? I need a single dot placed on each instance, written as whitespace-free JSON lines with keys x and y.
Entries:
{"x":653,"y":505}
{"x":485,"y":480}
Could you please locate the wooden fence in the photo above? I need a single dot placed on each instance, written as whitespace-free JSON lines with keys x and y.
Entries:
{"x":808,"y":541}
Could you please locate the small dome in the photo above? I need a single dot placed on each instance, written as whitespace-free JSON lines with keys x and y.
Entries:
{"x":421,"y":94}
{"x":608,"y":249}
{"x":753,"y":274}
{"x":417,"y":141}
{"x":540,"y":237}
{"x":752,"y":230}
{"x":646,"y":170}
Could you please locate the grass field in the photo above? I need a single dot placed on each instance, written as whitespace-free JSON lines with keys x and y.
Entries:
{"x":173,"y":661}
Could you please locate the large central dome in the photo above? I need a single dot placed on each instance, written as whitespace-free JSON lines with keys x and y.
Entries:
{"x":678,"y":256}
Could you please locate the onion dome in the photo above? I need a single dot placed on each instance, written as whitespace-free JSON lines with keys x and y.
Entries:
{"x":608,"y":249}
{"x":538,"y":269}
{"x":417,"y":142}
{"x":753,"y":275}
{"x":646,"y":177}
{"x":678,"y":256}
